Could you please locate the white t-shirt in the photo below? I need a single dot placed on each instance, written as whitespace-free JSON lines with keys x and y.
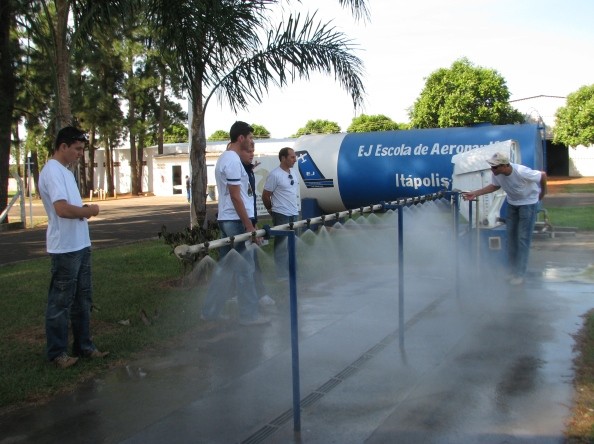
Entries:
{"x":284,"y":194}
{"x":522,"y":186}
{"x":56,"y":182}
{"x":230,"y":171}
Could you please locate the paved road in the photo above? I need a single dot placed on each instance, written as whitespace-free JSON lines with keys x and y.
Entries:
{"x":127,"y":220}
{"x":120,"y":221}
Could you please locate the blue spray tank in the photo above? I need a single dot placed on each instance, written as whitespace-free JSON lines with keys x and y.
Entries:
{"x":350,"y":170}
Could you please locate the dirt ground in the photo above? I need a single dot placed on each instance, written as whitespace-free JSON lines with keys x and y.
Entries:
{"x":556,"y":181}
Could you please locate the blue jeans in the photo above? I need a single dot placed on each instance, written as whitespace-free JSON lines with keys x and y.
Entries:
{"x":258,"y":279}
{"x":281,"y":253}
{"x":235,"y":272}
{"x":70,"y":298}
{"x":520,"y":222}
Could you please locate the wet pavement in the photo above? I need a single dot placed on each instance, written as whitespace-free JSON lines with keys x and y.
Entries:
{"x":483,"y":362}
{"x":480,"y":362}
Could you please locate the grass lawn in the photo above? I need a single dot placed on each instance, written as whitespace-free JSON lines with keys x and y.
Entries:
{"x":128,"y":281}
{"x":581,"y":218}
{"x":580,"y":427}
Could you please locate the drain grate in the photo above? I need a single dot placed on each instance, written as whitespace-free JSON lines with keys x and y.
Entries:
{"x":282,"y":418}
{"x":325,"y":388}
{"x":311,"y":399}
{"x":260,"y":435}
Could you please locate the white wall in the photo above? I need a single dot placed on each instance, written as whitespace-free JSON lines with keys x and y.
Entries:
{"x":157,"y":174}
{"x":581,"y":161}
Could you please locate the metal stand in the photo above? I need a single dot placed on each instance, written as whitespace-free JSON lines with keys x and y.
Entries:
{"x":294,"y":326}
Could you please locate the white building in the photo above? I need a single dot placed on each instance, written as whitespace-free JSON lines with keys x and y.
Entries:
{"x":164,"y":174}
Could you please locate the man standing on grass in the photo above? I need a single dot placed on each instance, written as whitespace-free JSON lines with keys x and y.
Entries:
{"x":70,"y":295}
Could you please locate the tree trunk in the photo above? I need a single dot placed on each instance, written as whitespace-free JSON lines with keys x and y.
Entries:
{"x":131,"y":130}
{"x":134,"y":167}
{"x":161,"y":110}
{"x":7,"y":96}
{"x":109,"y":167}
{"x":17,"y":155}
{"x":91,"y":165}
{"x":35,"y":172}
{"x":198,"y":159}
{"x":82,"y":175}
{"x":140,"y":163}
{"x":62,"y":63}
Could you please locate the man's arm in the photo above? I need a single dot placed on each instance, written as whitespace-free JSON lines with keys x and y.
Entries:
{"x":267,"y":200}
{"x":235,"y":193}
{"x":471,"y":195}
{"x":543,"y":185}
{"x":68,"y":211}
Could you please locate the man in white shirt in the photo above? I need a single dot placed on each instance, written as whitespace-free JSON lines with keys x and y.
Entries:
{"x":69,"y":245}
{"x":524,"y":187}
{"x":235,"y":211}
{"x":280,"y":199}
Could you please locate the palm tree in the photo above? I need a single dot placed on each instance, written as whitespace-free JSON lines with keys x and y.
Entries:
{"x":229,"y":49}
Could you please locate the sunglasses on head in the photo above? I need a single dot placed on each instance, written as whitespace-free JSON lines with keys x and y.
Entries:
{"x":69,"y":140}
{"x":292,"y":181}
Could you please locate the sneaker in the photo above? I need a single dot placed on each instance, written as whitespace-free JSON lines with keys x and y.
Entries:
{"x":260,"y":320}
{"x":517,"y":281}
{"x":267,"y":300}
{"x":64,"y":361}
{"x":221,"y":317}
{"x":96,"y":354}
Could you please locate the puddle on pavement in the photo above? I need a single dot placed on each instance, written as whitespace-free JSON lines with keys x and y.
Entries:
{"x":555,"y":273}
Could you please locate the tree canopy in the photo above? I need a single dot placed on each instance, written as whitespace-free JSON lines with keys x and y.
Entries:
{"x":260,"y":132}
{"x":378,"y":122}
{"x":463,"y":95}
{"x":574,"y":123}
{"x":318,"y":127}
{"x":219,"y":135}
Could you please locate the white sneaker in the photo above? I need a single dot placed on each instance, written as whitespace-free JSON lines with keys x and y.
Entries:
{"x":517,"y":281}
{"x":260,"y":320}
{"x":267,"y":300}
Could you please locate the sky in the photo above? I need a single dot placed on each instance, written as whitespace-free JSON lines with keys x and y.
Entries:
{"x":540,"y":47}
